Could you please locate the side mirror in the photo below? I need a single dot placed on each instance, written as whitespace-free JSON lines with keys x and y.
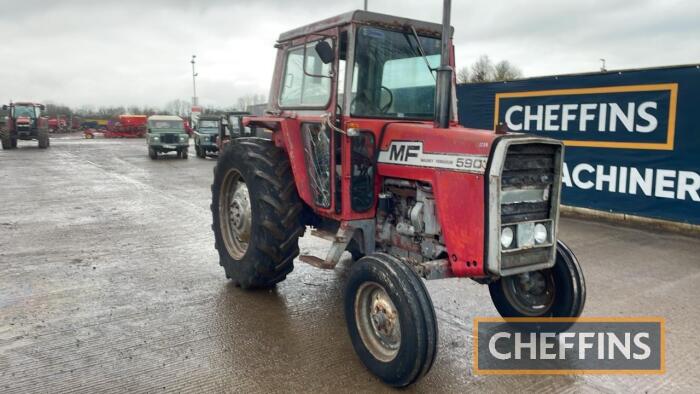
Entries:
{"x":42,"y":107}
{"x":148,"y":130}
{"x":4,"y":107}
{"x":325,"y":51}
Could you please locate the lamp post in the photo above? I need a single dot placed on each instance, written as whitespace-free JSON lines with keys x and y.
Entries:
{"x":194,"y":85}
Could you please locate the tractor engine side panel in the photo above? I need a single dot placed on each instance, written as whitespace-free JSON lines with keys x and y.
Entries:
{"x":459,"y":202}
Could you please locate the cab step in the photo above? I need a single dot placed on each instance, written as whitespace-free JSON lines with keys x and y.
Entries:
{"x":316,"y":262}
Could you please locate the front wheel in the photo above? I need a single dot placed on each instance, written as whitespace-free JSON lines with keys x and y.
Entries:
{"x":43,"y":138}
{"x":183,"y":153}
{"x":559,"y":291}
{"x":390,"y":319}
{"x":152,"y":153}
{"x":6,"y":139}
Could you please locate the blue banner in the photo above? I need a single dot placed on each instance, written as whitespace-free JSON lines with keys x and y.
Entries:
{"x":632,"y":137}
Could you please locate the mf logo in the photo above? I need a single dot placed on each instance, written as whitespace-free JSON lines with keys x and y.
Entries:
{"x":403,"y":152}
{"x":631,"y":117}
{"x":410,"y":153}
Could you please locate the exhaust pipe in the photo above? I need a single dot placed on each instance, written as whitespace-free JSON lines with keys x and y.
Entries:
{"x":444,"y":72}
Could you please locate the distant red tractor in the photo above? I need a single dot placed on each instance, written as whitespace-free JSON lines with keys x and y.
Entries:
{"x":25,"y":122}
{"x":53,"y":124}
{"x":127,"y":126}
{"x":366,"y":151}
{"x":58,"y":124}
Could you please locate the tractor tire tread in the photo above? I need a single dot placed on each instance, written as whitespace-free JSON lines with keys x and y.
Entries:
{"x":276,"y":223}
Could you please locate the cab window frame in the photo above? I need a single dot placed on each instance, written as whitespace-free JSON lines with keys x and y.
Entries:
{"x":332,"y":78}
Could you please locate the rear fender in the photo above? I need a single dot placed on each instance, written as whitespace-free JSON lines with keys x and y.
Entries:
{"x":287,"y":135}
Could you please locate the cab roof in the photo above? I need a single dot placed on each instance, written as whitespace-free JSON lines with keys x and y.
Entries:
{"x":25,"y":103}
{"x":164,"y":117}
{"x":365,"y":18}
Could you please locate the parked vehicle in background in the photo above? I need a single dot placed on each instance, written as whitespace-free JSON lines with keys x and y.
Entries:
{"x":127,"y":126}
{"x":166,"y":133}
{"x":89,"y":124}
{"x":233,"y":127}
{"x":25,"y":122}
{"x":205,"y":135}
{"x":58,"y":124}
{"x":53,"y":124}
{"x":75,"y":123}
{"x":92,"y":133}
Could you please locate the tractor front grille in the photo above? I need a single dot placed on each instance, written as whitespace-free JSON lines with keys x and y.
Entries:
{"x":526,"y":183}
{"x":524,"y":187}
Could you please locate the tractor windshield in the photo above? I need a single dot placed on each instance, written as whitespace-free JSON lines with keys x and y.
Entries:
{"x":24,"y":110}
{"x":391,"y":78}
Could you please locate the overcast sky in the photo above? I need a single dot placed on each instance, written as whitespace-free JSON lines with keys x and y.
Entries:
{"x":121,"y":52}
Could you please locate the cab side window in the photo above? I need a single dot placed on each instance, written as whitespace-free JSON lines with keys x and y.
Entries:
{"x":310,"y":89}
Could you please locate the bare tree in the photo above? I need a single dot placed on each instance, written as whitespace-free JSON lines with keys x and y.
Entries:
{"x":482,"y":70}
{"x":178,"y":107}
{"x":506,"y":71}
{"x":244,"y":102}
{"x":463,"y":75}
{"x":53,"y":109}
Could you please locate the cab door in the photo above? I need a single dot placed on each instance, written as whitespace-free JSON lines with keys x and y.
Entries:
{"x":309,"y":90}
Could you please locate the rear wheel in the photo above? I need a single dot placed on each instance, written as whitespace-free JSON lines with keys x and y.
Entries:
{"x":390,"y":319}
{"x":556,"y":292}
{"x":43,"y":138}
{"x":257,"y":238}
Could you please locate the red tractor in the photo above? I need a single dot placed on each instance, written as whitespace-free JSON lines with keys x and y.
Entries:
{"x":25,"y":122}
{"x":367,"y":152}
{"x":127,"y":126}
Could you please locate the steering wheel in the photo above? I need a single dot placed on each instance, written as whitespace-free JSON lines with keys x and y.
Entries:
{"x":391,"y":100}
{"x":362,"y":99}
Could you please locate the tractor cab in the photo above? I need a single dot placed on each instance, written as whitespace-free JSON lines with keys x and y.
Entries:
{"x":352,"y":75}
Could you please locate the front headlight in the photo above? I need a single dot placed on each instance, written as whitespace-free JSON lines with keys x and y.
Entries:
{"x":155,"y":138}
{"x":540,"y":233}
{"x":506,"y":237}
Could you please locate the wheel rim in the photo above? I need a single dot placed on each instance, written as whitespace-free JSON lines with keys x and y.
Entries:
{"x":530,"y":293}
{"x":377,"y":321}
{"x":235,"y":214}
